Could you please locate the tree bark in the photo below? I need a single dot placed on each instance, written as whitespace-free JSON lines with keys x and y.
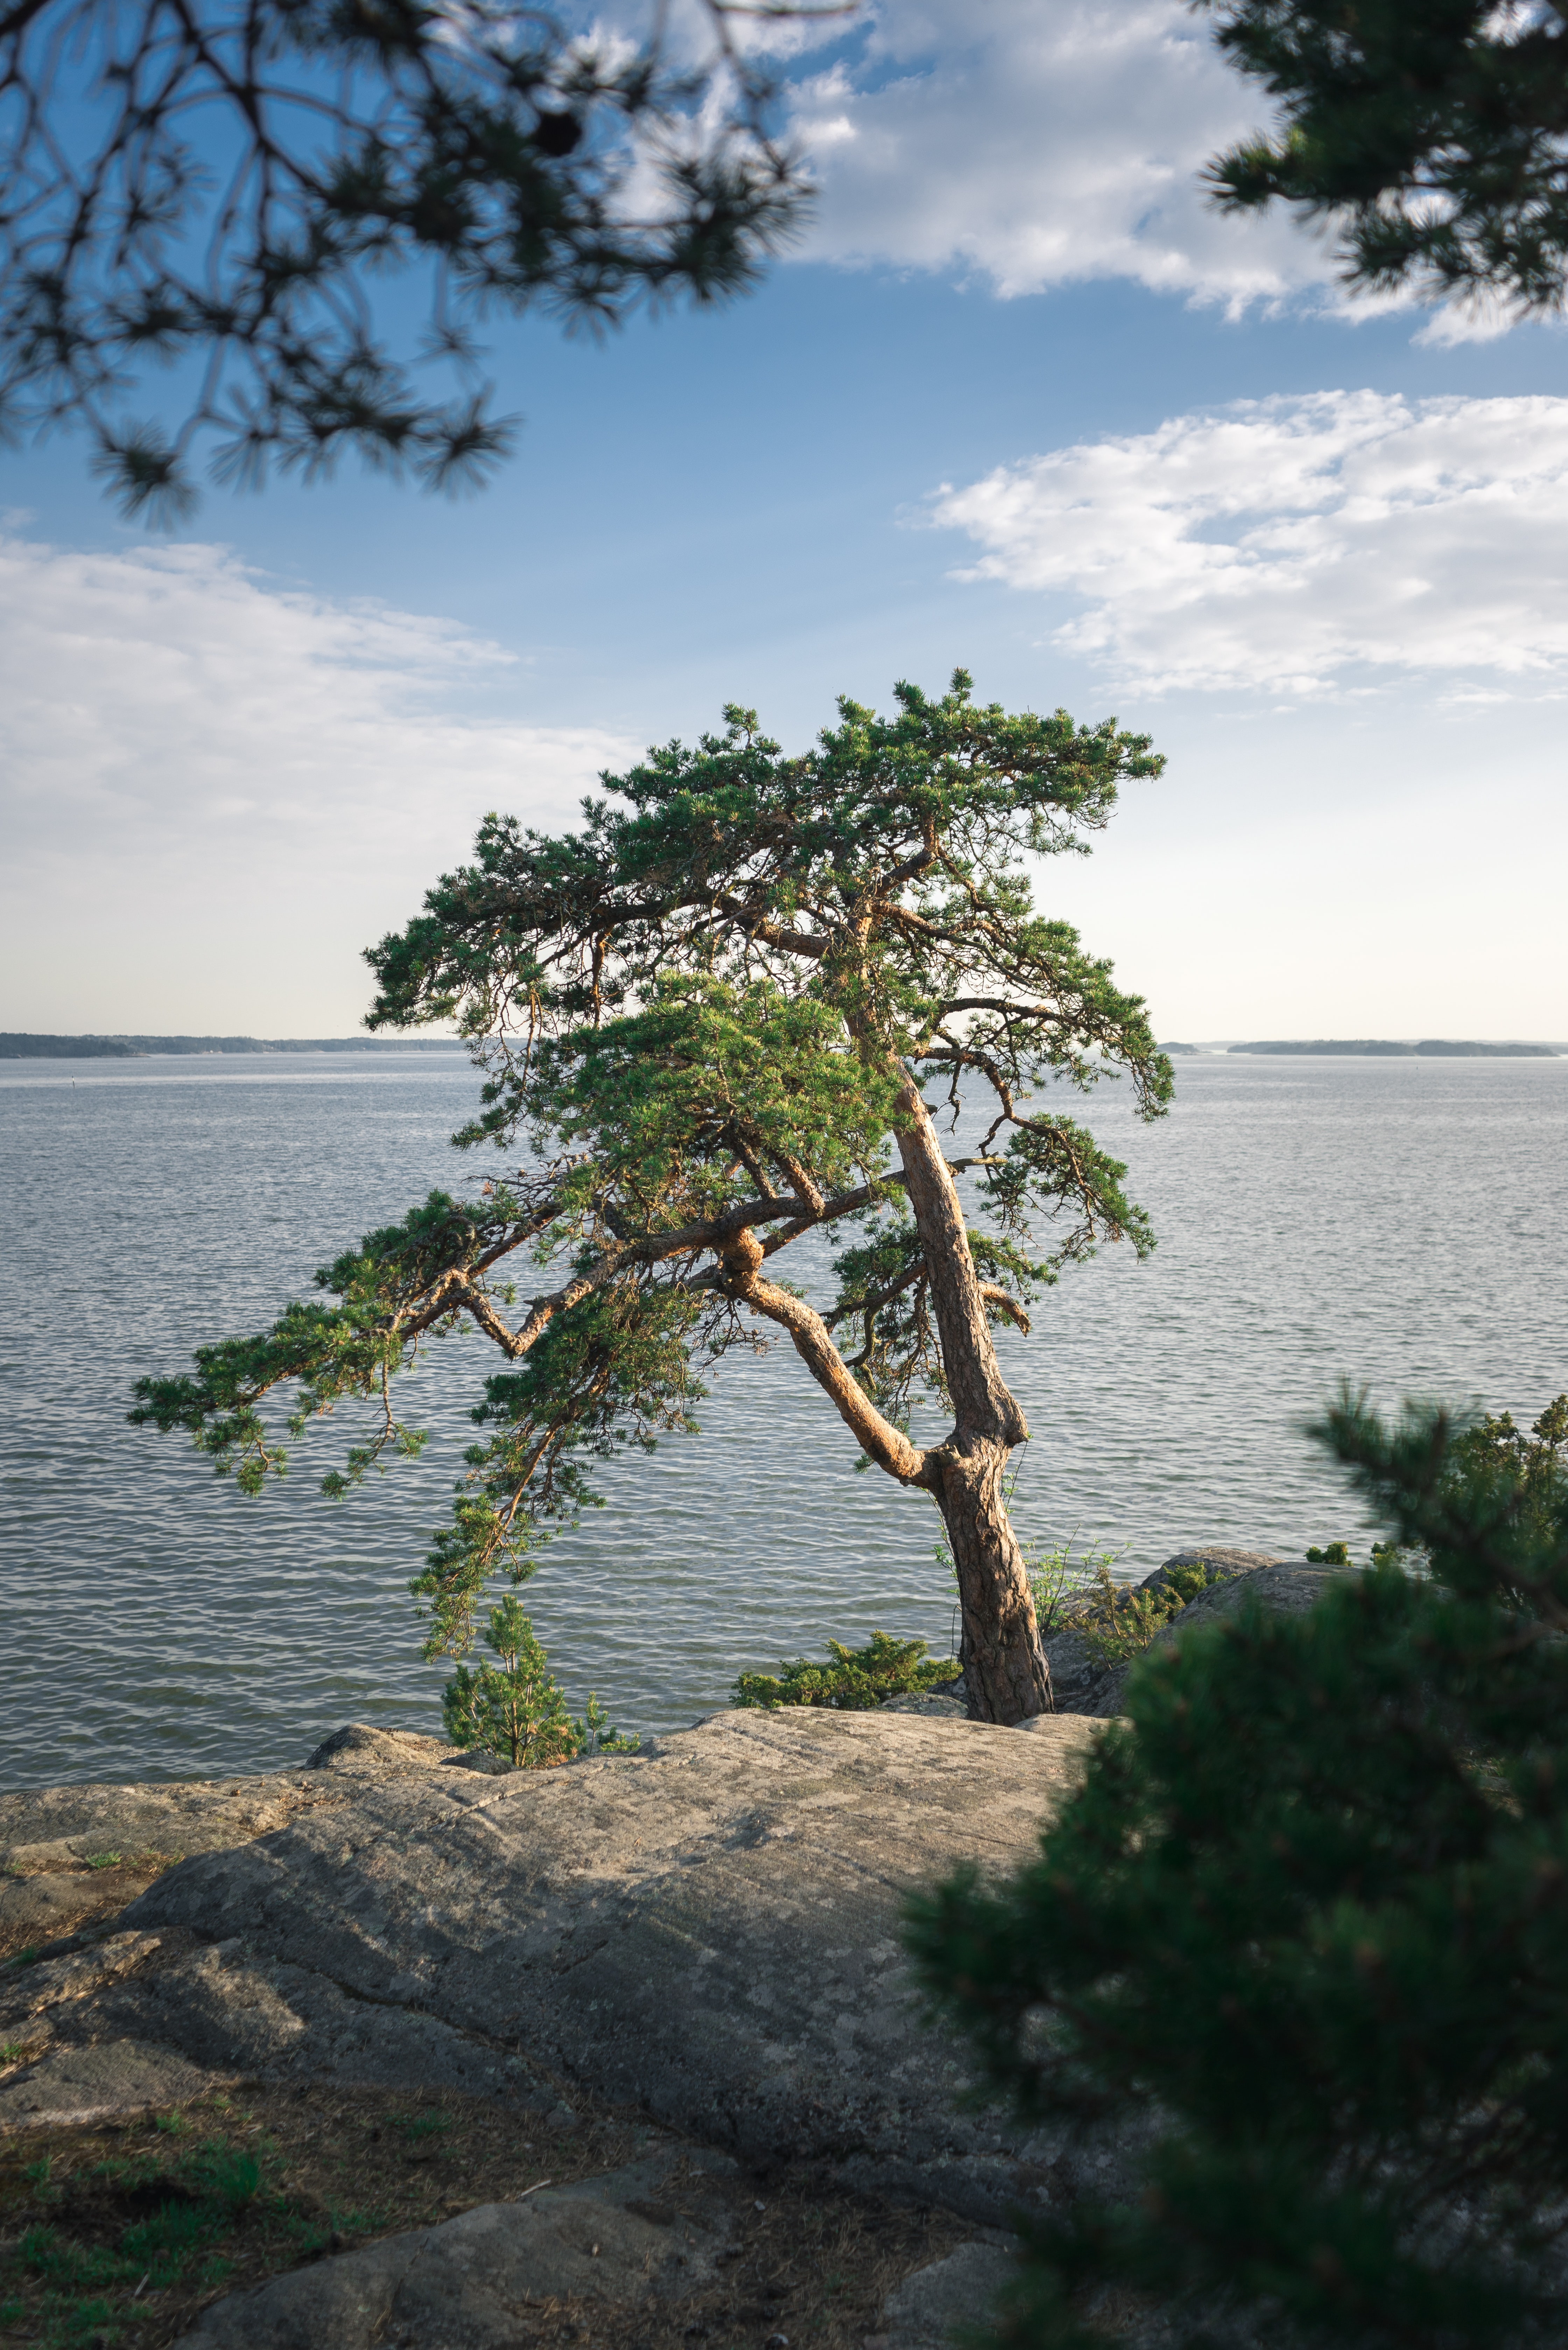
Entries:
{"x":1006,"y":1677}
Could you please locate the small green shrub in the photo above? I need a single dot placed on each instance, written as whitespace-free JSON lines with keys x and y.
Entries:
{"x":1117,"y":1622}
{"x":516,"y":1708}
{"x":415,"y":2126}
{"x":170,"y":2231}
{"x":1058,"y":1581}
{"x":1332,"y":1554}
{"x":855,"y":1680}
{"x":225,"y":2175}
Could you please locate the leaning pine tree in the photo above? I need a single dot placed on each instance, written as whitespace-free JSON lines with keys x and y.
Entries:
{"x":710,"y":1021}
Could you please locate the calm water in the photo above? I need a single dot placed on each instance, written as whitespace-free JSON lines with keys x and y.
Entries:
{"x":1400,"y":1221}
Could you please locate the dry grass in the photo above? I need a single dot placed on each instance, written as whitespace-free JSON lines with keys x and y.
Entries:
{"x":340,"y":2167}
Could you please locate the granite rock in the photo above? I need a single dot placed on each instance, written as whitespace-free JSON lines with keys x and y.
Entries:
{"x":109,"y":2080}
{"x":711,"y":1934}
{"x":947,"y":2298}
{"x":1280,"y":1586}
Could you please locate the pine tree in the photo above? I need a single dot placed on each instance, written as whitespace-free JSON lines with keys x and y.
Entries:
{"x":1306,"y":1925}
{"x":1433,"y":138}
{"x":744,"y":1005}
{"x":498,"y":152}
{"x":514,"y":1708}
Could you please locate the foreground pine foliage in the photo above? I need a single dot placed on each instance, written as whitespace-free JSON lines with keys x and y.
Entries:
{"x":1306,"y":1926}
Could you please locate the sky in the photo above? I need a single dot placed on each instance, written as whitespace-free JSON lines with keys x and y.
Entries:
{"x":1018,"y":400}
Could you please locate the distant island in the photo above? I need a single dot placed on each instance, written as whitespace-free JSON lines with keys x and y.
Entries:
{"x":1181,"y":1048}
{"x":15,"y":1046}
{"x":1437,"y":1048}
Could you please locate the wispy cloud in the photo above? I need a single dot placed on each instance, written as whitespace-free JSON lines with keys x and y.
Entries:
{"x":195,"y":753}
{"x":1035,"y":146}
{"x":1283,"y":544}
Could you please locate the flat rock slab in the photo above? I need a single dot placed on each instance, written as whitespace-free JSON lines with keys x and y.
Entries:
{"x":45,"y":1829}
{"x":628,"y":2238}
{"x":110,"y":2081}
{"x":70,"y":1856}
{"x":711,"y":1932}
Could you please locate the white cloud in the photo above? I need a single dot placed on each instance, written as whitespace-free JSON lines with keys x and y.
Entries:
{"x":217,"y":790}
{"x":1282,"y":543}
{"x":1035,"y":145}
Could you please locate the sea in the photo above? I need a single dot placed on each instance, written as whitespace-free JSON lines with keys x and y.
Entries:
{"x":1397,"y":1223}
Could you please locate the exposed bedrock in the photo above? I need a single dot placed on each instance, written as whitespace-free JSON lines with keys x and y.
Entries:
{"x":709,"y":1932}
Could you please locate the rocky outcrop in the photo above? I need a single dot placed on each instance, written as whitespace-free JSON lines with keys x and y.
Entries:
{"x":1081,"y":1684}
{"x":709,"y":1932}
{"x":1280,"y":1586}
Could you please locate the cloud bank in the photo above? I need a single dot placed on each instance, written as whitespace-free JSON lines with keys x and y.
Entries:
{"x":221,"y":788}
{"x":1034,"y":146}
{"x":1291,"y":542}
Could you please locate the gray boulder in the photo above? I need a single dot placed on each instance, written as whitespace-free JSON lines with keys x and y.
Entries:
{"x":711,"y":1933}
{"x":475,"y":2282}
{"x":1221,"y":1562}
{"x":1081,"y":1684}
{"x":1280,"y":1586}
{"x":935,"y":2306}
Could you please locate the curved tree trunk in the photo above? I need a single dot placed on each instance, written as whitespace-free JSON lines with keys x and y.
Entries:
{"x":1005,"y":1673}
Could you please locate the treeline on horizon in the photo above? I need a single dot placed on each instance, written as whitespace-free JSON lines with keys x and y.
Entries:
{"x":1431,"y":1047}
{"x":22,"y":1046}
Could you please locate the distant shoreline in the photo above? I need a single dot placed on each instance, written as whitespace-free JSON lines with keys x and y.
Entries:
{"x":19,"y":1045}
{"x":24,"y":1046}
{"x":1383,"y":1048}
{"x":1432,"y":1048}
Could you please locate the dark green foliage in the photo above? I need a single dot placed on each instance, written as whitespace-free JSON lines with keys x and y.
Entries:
{"x":1335,"y":1554}
{"x":491,"y":149}
{"x":856,"y":1679}
{"x":1432,"y":135}
{"x":1308,"y":1925}
{"x":1495,"y":1454}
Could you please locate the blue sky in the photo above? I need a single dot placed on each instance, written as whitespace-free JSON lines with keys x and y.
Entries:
{"x":1020,"y":402}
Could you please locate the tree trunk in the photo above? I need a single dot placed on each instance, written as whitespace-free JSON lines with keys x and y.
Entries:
{"x":1005,"y":1673}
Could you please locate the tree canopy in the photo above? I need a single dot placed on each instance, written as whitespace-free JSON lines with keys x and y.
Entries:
{"x":228,"y":184}
{"x":1434,"y":138}
{"x":709,"y":1020}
